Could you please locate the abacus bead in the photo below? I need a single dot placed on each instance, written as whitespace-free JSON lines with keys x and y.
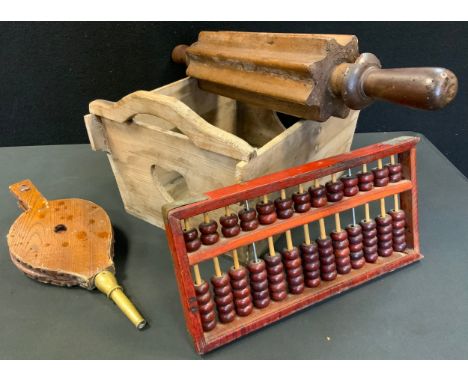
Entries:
{"x":247,"y":215}
{"x":359,"y":262}
{"x":249,"y":226}
{"x":190,"y":235}
{"x":399,"y":232}
{"x":335,"y":197}
{"x":395,"y":177}
{"x":319,"y":202}
{"x":350,"y":191}
{"x":370,"y":249}
{"x":356,"y":239}
{"x":283,"y":204}
{"x":309,"y":248}
{"x":260,"y":294}
{"x":381,"y":182}
{"x":301,"y":201}
{"x":342,"y":235}
{"x":193,"y":245}
{"x":400,"y":247}
{"x":324,"y":242}
{"x":208,"y":228}
{"x":231,"y":231}
{"x":349,"y":180}
{"x":265,"y":208}
{"x":384,"y":229}
{"x":368,"y":224}
{"x":353,"y":230}
{"x":383,"y":220}
{"x":229,"y":221}
{"x":285,"y":214}
{"x":397,"y":215}
{"x":328,"y":276}
{"x":334,"y":187}
{"x":210,"y":239}
{"x":239,"y":284}
{"x":394,"y":168}
{"x":385,"y":252}
{"x":383,"y":237}
{"x":399,"y":239}
{"x":365,"y":177}
{"x":340,"y":244}
{"x":267,"y":219}
{"x":317,"y":192}
{"x":356,"y":247}
{"x":237,"y":274}
{"x":366,"y":186}
{"x":207,"y":307}
{"x":380,"y":173}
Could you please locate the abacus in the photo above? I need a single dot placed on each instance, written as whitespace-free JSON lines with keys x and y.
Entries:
{"x":246,"y":298}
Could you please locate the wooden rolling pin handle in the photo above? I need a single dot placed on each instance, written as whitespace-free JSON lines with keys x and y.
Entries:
{"x":361,"y":83}
{"x":179,"y":55}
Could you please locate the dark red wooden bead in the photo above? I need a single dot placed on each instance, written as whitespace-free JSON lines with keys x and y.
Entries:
{"x":397,"y":215}
{"x":205,"y":306}
{"x":283,"y":204}
{"x":380,"y":173}
{"x":231,"y":231}
{"x":193,"y":245}
{"x":355,"y":239}
{"x":400,"y":247}
{"x":383,"y":220}
{"x":210,"y":239}
{"x":365,"y":177}
{"x":324,"y":243}
{"x":293,"y":267}
{"x":394,"y":168}
{"x":285,"y":214}
{"x":267,"y":219}
{"x":229,"y":221}
{"x":333,"y":187}
{"x":366,"y":186}
{"x":384,"y":229}
{"x":395,"y":177}
{"x":190,"y":235}
{"x":265,"y":208}
{"x":349,"y":180}
{"x":385,"y":252}
{"x":192,"y":242}
{"x":208,"y":228}
{"x":249,"y":226}
{"x":247,"y":215}
{"x":259,"y":284}
{"x":367,"y":225}
{"x":301,"y":201}
{"x":317,"y":192}
{"x":319,"y":202}
{"x":353,"y":230}
{"x":350,"y":191}
{"x":339,"y":236}
{"x":381,"y":182}
{"x":241,"y":291}
{"x":383,"y":237}
{"x":335,"y":197}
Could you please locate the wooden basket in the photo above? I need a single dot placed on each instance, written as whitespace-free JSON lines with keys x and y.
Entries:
{"x":178,"y":141}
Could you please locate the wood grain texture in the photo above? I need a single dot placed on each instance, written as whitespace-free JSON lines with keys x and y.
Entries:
{"x":156,"y":162}
{"x":63,"y":241}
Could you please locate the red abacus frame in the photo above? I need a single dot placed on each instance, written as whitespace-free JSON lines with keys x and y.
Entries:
{"x":404,"y":147}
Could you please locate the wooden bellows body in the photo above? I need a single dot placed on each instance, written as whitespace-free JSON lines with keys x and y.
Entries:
{"x":66,"y":242}
{"x":311,"y":76}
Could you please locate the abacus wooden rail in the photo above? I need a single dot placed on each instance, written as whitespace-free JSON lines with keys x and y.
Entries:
{"x":249,"y":298}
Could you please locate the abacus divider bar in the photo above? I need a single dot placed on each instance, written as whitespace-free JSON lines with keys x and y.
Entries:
{"x":187,"y":295}
{"x":409,"y":198}
{"x":282,"y":225}
{"x":292,"y":177}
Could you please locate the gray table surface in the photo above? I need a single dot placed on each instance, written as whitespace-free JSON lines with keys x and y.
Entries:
{"x":418,"y":312}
